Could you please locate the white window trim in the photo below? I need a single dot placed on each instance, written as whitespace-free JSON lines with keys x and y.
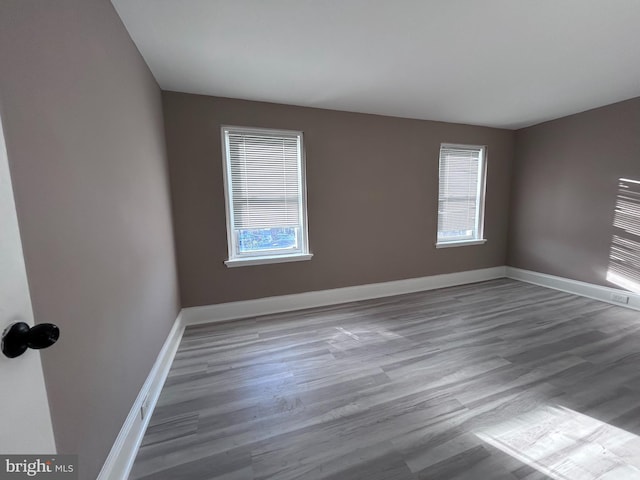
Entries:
{"x":480,"y":211}
{"x":234,"y":260}
{"x":461,"y":243}
{"x":242,"y":262}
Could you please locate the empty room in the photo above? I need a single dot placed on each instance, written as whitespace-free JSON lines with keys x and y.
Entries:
{"x":320,"y":240}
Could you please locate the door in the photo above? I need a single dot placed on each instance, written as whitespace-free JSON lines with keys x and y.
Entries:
{"x":25,"y":422}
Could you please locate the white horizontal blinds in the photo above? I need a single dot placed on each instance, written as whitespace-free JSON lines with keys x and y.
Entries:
{"x":265,"y":177}
{"x":459,"y":192}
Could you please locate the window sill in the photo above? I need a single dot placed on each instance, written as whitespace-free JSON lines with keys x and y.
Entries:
{"x":245,"y":262}
{"x":461,"y":243}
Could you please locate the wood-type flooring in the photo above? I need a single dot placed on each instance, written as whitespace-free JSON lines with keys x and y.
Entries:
{"x":494,"y":380}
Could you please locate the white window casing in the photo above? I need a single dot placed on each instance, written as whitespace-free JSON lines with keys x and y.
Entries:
{"x":461,"y":192}
{"x":265,"y":195}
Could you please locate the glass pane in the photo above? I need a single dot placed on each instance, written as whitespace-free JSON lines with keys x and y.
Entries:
{"x":456,"y":235}
{"x":280,"y":238}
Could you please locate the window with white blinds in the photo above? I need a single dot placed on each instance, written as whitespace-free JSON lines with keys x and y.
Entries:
{"x":265,"y":195}
{"x":461,"y":194}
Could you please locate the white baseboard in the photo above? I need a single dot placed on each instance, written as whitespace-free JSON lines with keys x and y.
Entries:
{"x":123,"y":453}
{"x":284,"y":303}
{"x":589,"y":290}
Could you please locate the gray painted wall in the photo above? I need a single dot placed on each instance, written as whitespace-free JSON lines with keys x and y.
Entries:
{"x":565,"y":187}
{"x":83,"y":125}
{"x":372,"y":184}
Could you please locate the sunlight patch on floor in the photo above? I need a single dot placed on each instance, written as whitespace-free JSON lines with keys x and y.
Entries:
{"x":567,"y":445}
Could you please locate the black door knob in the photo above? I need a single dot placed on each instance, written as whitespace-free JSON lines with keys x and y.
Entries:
{"x":19,"y":336}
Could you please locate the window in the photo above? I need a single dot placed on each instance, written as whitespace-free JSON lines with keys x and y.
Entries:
{"x":265,"y":196}
{"x":461,"y":195}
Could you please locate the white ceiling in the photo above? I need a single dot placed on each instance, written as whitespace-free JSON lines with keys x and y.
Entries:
{"x":500,"y":63}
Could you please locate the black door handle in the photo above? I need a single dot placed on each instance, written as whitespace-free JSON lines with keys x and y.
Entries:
{"x":19,"y":336}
